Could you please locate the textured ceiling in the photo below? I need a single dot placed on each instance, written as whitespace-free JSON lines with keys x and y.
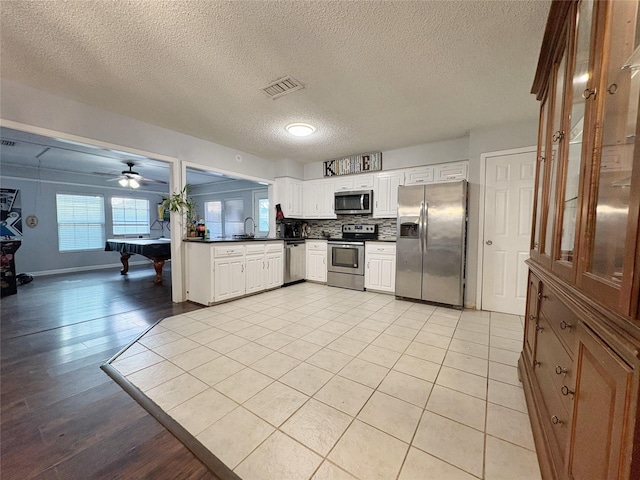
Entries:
{"x":377,"y":75}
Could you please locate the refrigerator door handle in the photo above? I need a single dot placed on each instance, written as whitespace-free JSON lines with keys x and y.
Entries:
{"x":421,"y":227}
{"x":426,"y":226}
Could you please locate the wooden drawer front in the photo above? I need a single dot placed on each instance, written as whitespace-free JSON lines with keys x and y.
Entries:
{"x":229,"y":251}
{"x":384,"y":248}
{"x":316,"y":246}
{"x":562,"y":320}
{"x":255,"y":249}
{"x":556,"y":420}
{"x":557,"y":363}
{"x":274,"y":247}
{"x":531,"y":319}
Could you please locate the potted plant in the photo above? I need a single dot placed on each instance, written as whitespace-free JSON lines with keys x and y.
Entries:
{"x":183,"y":204}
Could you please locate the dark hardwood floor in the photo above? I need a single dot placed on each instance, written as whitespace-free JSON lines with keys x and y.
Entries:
{"x":62,"y":417}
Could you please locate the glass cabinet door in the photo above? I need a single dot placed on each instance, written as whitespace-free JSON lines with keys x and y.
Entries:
{"x":556,"y":131}
{"x":581,"y":73}
{"x":540,"y":174}
{"x":611,"y":234}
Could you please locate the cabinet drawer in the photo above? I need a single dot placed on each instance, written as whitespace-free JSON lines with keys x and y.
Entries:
{"x":556,"y":419}
{"x":229,"y":251}
{"x":554,"y":359}
{"x":380,"y":248}
{"x":564,"y":322}
{"x":316,"y":246}
{"x":274,"y":247}
{"x":254,"y":249}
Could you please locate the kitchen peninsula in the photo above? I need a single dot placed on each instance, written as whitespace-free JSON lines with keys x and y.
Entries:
{"x":220,"y":269}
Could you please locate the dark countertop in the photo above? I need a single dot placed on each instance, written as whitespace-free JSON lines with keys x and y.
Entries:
{"x":391,"y":240}
{"x":231,"y":240}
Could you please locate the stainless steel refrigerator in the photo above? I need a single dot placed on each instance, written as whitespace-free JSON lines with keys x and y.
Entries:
{"x":431,"y":244}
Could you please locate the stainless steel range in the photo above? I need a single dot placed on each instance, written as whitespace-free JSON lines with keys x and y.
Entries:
{"x":346,"y":256}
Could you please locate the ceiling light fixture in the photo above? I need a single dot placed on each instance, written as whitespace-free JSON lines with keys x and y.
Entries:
{"x":300,"y":129}
{"x":128,"y":182}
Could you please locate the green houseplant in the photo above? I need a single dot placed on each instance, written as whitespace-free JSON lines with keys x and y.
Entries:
{"x":181,"y":203}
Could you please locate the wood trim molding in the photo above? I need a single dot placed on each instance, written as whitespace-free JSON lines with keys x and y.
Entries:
{"x":552,"y":38}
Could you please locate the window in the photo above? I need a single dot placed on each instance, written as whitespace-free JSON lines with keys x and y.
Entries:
{"x":130,"y":216}
{"x":224,"y":217}
{"x":261,"y":211}
{"x":80,"y":222}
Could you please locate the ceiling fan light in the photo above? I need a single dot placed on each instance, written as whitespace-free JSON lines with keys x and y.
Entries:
{"x":300,"y":129}
{"x":123,"y":182}
{"x":133,"y":183}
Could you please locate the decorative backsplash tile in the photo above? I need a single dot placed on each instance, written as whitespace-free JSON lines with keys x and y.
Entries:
{"x":386,"y":226}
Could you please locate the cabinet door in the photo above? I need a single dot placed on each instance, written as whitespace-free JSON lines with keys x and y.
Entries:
{"x":539,"y":199}
{"x":316,"y":266}
{"x":609,"y":245}
{"x":326,"y":200}
{"x":380,"y":273}
{"x":296,"y":198}
{"x":531,"y":319}
{"x":600,"y":414}
{"x":385,"y":194}
{"x":274,"y":270}
{"x":418,"y":176}
{"x":229,"y":278}
{"x":254,"y":269}
{"x":343,"y":184}
{"x":310,"y":199}
{"x":199,"y":273}
{"x":450,"y":172}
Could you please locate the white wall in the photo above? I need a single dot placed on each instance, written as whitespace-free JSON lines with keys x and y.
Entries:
{"x":425,"y":154}
{"x":19,"y":103}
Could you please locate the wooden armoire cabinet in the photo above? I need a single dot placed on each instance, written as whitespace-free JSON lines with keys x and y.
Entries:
{"x":580,"y":363}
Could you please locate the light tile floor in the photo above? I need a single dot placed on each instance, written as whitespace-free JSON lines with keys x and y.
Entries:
{"x":315,"y":382}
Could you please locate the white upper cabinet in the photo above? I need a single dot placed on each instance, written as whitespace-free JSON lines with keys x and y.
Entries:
{"x":385,"y":194}
{"x":318,"y":199}
{"x":353,"y":182}
{"x":288,"y":193}
{"x":451,"y":172}
{"x":418,"y":175}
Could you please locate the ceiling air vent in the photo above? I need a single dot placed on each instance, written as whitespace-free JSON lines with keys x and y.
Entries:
{"x":282,"y":86}
{"x":8,"y":143}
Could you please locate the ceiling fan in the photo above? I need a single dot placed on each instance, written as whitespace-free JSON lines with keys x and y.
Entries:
{"x":129,"y":178}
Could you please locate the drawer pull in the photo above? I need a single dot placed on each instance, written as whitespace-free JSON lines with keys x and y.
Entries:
{"x":565,"y":326}
{"x":536,"y":363}
{"x":555,"y":420}
{"x":561,"y":371}
{"x":566,"y":391}
{"x":539,"y":328}
{"x":532,"y":318}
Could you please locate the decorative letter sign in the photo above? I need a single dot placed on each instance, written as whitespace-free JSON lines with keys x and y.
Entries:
{"x":366,"y":162}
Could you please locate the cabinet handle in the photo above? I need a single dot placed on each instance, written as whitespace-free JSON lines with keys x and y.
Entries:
{"x":368,"y":263}
{"x":561,"y":371}
{"x":242,"y":270}
{"x":565,"y":326}
{"x":532,"y":318}
{"x":536,"y":363}
{"x":587,"y":94}
{"x":555,"y":420}
{"x":559,"y":135}
{"x":539,"y":328}
{"x":566,"y":391}
{"x":539,"y":295}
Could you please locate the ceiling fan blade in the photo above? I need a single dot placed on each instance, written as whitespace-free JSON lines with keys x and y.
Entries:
{"x":150,"y":180}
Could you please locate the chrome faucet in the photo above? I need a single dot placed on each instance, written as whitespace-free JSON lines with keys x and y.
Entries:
{"x":245,"y":227}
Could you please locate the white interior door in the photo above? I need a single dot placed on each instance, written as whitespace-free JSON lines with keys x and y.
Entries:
{"x":507,"y":230}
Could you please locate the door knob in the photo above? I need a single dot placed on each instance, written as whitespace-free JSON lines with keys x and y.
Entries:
{"x":489,"y":242}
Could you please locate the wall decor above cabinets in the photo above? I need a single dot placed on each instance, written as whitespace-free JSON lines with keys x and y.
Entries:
{"x":365,"y":162}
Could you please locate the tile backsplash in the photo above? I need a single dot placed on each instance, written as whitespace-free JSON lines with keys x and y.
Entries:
{"x":386,"y":226}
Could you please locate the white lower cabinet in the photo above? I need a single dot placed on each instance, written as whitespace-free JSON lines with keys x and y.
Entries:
{"x":274,"y":257}
{"x":316,"y":261}
{"x":224,"y":271}
{"x":380,"y":270}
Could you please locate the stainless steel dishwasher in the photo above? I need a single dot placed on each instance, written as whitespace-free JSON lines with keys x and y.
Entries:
{"x":294,"y":261}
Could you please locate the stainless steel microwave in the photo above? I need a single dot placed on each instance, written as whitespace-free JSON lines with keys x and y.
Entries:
{"x":354,"y":203}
